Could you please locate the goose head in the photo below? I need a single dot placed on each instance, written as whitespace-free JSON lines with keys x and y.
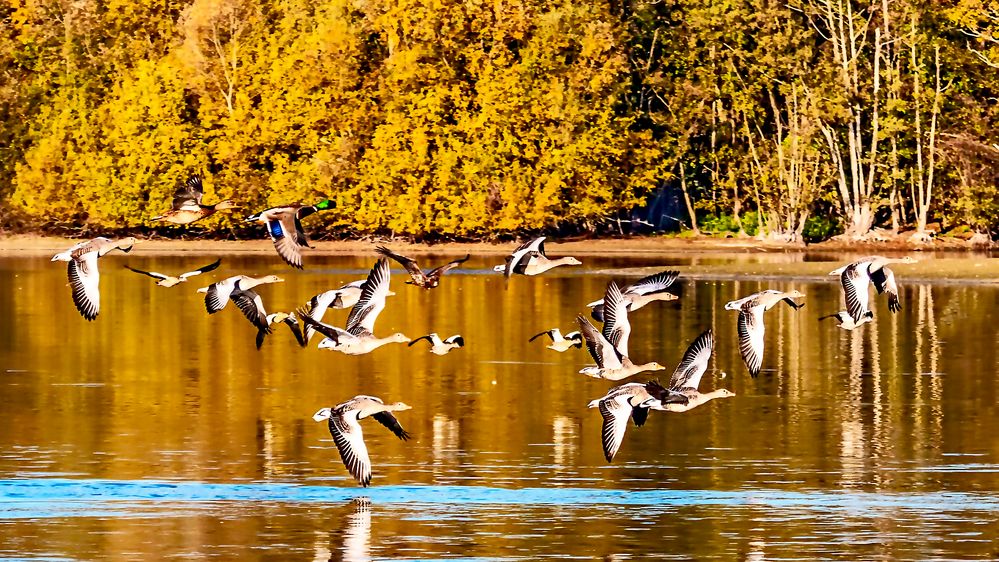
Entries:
{"x":794,"y":294}
{"x":398,"y":337}
{"x":323,"y":415}
{"x":398,"y":406}
{"x":908,"y":259}
{"x":271,"y":279}
{"x":327,"y":343}
{"x":724,"y":393}
{"x":569,"y":260}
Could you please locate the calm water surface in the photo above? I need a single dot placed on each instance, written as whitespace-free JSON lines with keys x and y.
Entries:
{"x":159,"y":432}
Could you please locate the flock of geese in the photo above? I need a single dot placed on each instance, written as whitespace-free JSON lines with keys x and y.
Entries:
{"x":366,"y":298}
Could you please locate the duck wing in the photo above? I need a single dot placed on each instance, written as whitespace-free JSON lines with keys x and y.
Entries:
{"x":203,"y":269}
{"x":372,"y":300}
{"x":694,"y":362}
{"x":884,"y":282}
{"x":84,"y":279}
{"x":410,"y":264}
{"x":349,"y":440}
{"x":855,"y":279}
{"x":751,"y":332}
{"x":188,"y":196}
{"x":152,"y":274}
{"x":437,"y":272}
{"x":616,"y":326}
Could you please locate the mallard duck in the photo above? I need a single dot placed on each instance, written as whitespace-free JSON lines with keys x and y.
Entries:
{"x":855,"y":278}
{"x":343,"y":421}
{"x":285,"y":227}
{"x":845,"y":321}
{"x":170,"y":281}
{"x":658,"y":287}
{"x":630,"y":400}
{"x":530,"y":259}
{"x":358,"y":337}
{"x":561,"y":343}
{"x":84,"y":277}
{"x":187,"y":206}
{"x":287,"y":318}
{"x":611,"y":363}
{"x":688,"y":373}
{"x":441,"y":347}
{"x":751,"y":328}
{"x":344,"y":297}
{"x":427,"y":280}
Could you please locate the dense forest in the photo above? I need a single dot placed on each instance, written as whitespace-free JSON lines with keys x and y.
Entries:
{"x":797,"y":119}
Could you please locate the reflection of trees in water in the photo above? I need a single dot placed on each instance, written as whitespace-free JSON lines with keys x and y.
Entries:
{"x":445,"y":439}
{"x":928,"y":382}
{"x":564,"y":437}
{"x":349,"y":542}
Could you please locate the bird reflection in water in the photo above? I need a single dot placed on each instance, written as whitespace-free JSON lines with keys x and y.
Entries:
{"x":350,"y":542}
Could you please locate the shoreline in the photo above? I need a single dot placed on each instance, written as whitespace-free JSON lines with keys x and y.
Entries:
{"x":29,"y":244}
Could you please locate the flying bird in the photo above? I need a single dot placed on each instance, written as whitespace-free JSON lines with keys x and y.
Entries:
{"x":285,"y":227}
{"x":187,"y":207}
{"x":84,"y":277}
{"x":845,"y":321}
{"x":343,"y":421}
{"x":687,"y":376}
{"x":169,"y":280}
{"x":658,"y":287}
{"x":344,"y":297}
{"x":856,"y":277}
{"x":441,"y":347}
{"x":289,"y":320}
{"x":751,"y":328}
{"x":358,"y":337}
{"x":530,"y":259}
{"x":427,"y":280}
{"x":561,"y":343}
{"x":631,"y":400}
{"x":611,"y":363}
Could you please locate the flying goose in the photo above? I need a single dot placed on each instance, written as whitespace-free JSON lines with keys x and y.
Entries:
{"x":84,"y":277}
{"x":438,"y":347}
{"x":287,"y":318}
{"x":358,"y":337}
{"x":170,"y":281}
{"x":187,"y":207}
{"x":285,"y":227}
{"x":344,"y":297}
{"x":343,"y":421}
{"x":687,"y":375}
{"x":845,"y":321}
{"x":616,"y":327}
{"x":630,"y":400}
{"x":530,"y":259}
{"x":561,"y":343}
{"x":427,"y":280}
{"x":855,"y":278}
{"x":217,"y":294}
{"x":751,"y":328}
{"x":611,"y":363}
{"x":657,"y":287}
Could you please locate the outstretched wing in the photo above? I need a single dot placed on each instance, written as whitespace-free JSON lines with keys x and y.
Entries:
{"x":616,"y":326}
{"x":615,"y":412}
{"x":855,"y":279}
{"x":349,"y":440}
{"x":438,"y":271}
{"x":884,"y":282}
{"x":152,"y":274}
{"x":695,"y":361}
{"x":410,"y":264}
{"x":84,"y":279}
{"x":657,"y":283}
{"x":751,"y":332}
{"x":389,"y":421}
{"x":188,"y":196}
{"x":602,"y":351}
{"x":252,"y":307}
{"x":372,"y":300}
{"x":203,"y":269}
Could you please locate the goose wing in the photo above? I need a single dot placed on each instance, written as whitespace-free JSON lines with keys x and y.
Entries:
{"x":390,"y":421}
{"x":855,"y":279}
{"x":884,"y":282}
{"x":549,"y":333}
{"x":751,"y":331}
{"x":523,"y":253}
{"x":84,"y":279}
{"x":436,"y":272}
{"x":152,"y":274}
{"x":456,"y":340}
{"x":203,"y":269}
{"x":349,"y":440}
{"x":602,"y":351}
{"x":372,"y":300}
{"x":658,"y":283}
{"x":427,"y":337}
{"x":331,"y":332}
{"x":317,"y":307}
{"x":188,"y":196}
{"x":615,"y":411}
{"x":695,"y":361}
{"x":217,"y":295}
{"x":252,"y":307}
{"x":410,"y":264}
{"x":616,"y":326}
{"x":292,"y":323}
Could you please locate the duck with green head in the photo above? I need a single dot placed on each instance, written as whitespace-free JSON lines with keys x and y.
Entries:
{"x":285,"y":227}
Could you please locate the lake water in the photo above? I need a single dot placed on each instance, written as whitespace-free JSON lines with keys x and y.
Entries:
{"x":158,"y":432}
